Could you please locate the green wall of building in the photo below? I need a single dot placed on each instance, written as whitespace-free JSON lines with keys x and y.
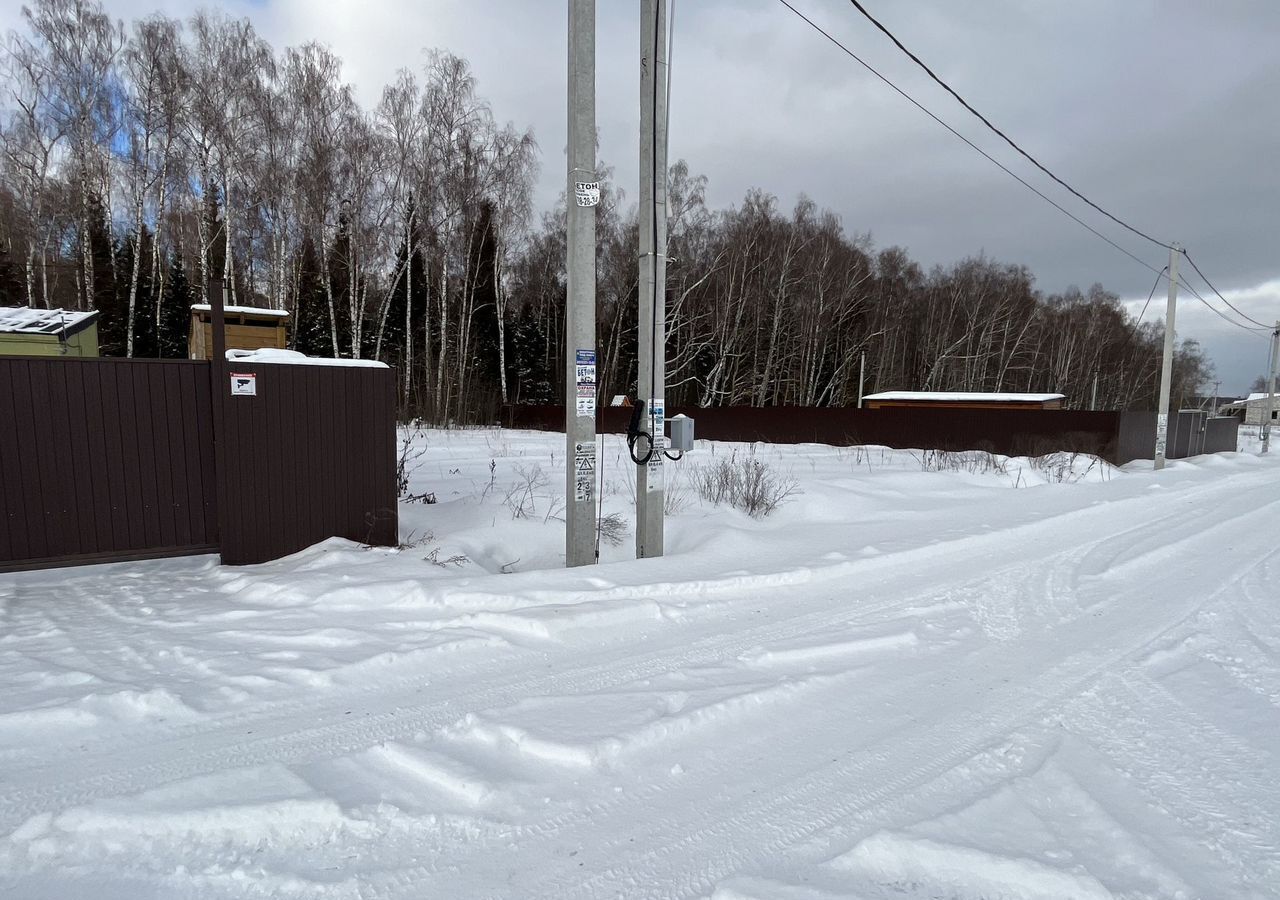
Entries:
{"x":82,"y":343}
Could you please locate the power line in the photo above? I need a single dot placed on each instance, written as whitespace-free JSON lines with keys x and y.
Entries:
{"x":818,"y":28}
{"x":1154,"y":285}
{"x":1160,"y":273}
{"x":1194,"y":293}
{"x":1219,"y":293}
{"x":1008,"y":140}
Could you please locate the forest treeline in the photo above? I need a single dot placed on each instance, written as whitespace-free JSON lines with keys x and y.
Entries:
{"x":139,"y":162}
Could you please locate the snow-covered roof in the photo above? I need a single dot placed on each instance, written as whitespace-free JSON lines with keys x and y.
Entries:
{"x":964,"y":396}
{"x":294,"y":358}
{"x":243,"y":310}
{"x":1252,"y":398}
{"x":25,"y":320}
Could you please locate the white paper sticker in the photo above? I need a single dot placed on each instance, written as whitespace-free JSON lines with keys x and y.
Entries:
{"x":586,"y":401}
{"x":244,"y":384}
{"x":586,"y":193}
{"x":653,"y":481}
{"x":657,"y":414}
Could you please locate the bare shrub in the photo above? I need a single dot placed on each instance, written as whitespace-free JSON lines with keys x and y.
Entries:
{"x":676,"y":489}
{"x":975,"y":462}
{"x":409,"y":459}
{"x":675,"y":496}
{"x":414,"y":541}
{"x":744,"y":483}
{"x":522,"y":499}
{"x":1064,"y":467}
{"x":613,"y":529}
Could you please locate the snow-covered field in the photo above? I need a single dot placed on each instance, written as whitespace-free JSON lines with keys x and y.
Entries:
{"x":920,"y":677}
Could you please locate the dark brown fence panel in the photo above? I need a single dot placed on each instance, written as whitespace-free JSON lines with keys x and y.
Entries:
{"x":1222,"y":434}
{"x":96,"y":461}
{"x":1191,"y":433}
{"x":310,"y":455}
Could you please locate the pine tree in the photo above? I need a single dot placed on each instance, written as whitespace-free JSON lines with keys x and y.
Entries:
{"x":175,"y":312}
{"x":528,"y":380}
{"x":483,"y":285}
{"x":145,"y":339}
{"x":13,"y":290}
{"x":311,"y":310}
{"x":113,"y":322}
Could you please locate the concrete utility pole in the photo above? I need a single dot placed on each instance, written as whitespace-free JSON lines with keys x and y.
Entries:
{"x":1271,"y":390}
{"x":651,"y":384}
{"x":583,"y":193}
{"x":1166,"y":367}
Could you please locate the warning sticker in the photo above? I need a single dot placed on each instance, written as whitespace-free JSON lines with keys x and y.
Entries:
{"x":244,"y":384}
{"x":584,"y":471}
{"x":654,"y":481}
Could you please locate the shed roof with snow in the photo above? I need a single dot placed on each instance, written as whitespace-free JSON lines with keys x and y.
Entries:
{"x":964,"y":400}
{"x":246,"y":328}
{"x":25,"y":331}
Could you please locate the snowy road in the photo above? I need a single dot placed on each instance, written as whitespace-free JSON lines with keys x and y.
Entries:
{"x":903,"y":684}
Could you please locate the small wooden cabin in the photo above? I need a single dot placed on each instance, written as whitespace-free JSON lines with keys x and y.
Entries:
{"x":962,"y":400}
{"x":25,"y":331}
{"x":248,"y":328}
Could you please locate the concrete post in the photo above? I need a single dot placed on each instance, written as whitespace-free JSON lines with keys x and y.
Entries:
{"x":651,"y":384}
{"x":582,"y":193}
{"x":1166,"y":366}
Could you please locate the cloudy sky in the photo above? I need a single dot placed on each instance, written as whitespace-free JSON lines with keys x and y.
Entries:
{"x":1162,"y":111}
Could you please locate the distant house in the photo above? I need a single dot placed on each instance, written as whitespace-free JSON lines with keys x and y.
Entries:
{"x":962,"y":400}
{"x":247,"y":328}
{"x":1252,"y":409}
{"x":25,"y":331}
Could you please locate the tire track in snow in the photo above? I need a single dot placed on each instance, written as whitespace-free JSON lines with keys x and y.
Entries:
{"x":599,"y":671}
{"x":704,"y":854}
{"x":1140,"y":723}
{"x":965,"y":734}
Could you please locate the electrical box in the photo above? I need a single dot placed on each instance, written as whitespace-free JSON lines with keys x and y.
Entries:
{"x":680,"y":433}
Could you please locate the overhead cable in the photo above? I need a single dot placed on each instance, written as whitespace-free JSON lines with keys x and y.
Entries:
{"x":1154,"y":285}
{"x":826,"y":34}
{"x":1008,"y":140}
{"x":1219,"y":293}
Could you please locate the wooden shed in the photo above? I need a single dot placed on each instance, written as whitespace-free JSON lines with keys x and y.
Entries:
{"x":962,"y":400}
{"x":25,"y":331}
{"x":247,"y":328}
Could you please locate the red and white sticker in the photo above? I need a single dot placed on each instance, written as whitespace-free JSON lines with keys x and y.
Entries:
{"x":244,"y":384}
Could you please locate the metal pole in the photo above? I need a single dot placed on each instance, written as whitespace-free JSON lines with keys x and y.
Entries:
{"x":582,"y":193}
{"x":651,"y":383}
{"x":1271,"y":389}
{"x":221,"y":388}
{"x":1166,"y":366}
{"x":862,"y":375}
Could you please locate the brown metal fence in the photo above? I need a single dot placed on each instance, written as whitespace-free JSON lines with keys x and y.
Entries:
{"x":309,"y":456}
{"x":1014,"y":432}
{"x":1119,"y":437}
{"x":104,"y":459}
{"x":110,"y":459}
